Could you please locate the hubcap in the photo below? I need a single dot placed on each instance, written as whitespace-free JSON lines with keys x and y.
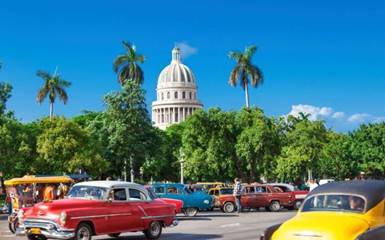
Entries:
{"x":229,"y":208}
{"x":276,"y":206}
{"x":155,"y":228}
{"x":83,"y":234}
{"x":191,"y":211}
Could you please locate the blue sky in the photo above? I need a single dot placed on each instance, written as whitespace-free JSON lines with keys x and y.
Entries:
{"x":323,"y":57}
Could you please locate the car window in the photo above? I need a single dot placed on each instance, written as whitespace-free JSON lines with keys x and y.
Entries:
{"x":172,"y":190}
{"x":211,"y":192}
{"x":159,"y":189}
{"x":136,"y":194}
{"x":250,"y":190}
{"x":216,"y":192}
{"x":119,"y":194}
{"x":227,"y":191}
{"x":260,"y":189}
{"x":334,"y":202}
{"x":278,"y":189}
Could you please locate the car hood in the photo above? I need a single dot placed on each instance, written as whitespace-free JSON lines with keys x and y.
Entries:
{"x":322,"y":226}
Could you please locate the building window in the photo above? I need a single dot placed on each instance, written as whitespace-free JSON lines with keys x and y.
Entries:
{"x":190,"y":95}
{"x":183,"y":95}
{"x":176,"y":95}
{"x":195,"y":95}
{"x":162,"y":96}
{"x":168,"y":95}
{"x":176,"y":116}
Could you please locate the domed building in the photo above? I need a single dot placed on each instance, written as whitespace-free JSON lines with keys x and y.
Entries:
{"x":176,"y":94}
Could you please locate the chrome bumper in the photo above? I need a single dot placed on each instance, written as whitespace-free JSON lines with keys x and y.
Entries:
{"x":49,"y":229}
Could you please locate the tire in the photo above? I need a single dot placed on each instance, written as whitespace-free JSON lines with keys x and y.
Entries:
{"x":36,"y":237}
{"x":275,"y":206}
{"x":13,"y":225}
{"x":154,"y":231}
{"x":229,"y":207}
{"x":190,"y":212}
{"x":114,"y":235}
{"x":297,"y":204}
{"x":83,"y":232}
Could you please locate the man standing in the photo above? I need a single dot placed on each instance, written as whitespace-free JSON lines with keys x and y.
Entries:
{"x":237,"y":192}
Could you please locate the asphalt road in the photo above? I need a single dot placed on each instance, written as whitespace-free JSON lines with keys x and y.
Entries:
{"x":205,"y":226}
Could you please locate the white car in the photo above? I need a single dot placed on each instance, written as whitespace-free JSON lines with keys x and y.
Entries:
{"x":324,"y":181}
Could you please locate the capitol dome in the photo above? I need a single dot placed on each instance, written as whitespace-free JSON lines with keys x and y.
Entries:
{"x":176,"y":93}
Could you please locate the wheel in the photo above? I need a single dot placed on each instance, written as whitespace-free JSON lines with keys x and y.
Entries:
{"x":297,"y":204}
{"x":229,"y":207}
{"x":13,"y":225}
{"x":36,"y":237}
{"x":190,"y":212}
{"x":114,"y":235}
{"x":275,"y":206}
{"x":154,"y":231}
{"x":83,"y":232}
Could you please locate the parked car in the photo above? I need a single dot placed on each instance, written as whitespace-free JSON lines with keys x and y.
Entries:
{"x":299,"y":195}
{"x":205,"y":186}
{"x":218,"y":193}
{"x":324,"y":181}
{"x":98,"y":208}
{"x":257,"y":196}
{"x":176,"y":202}
{"x":351,"y":210}
{"x":193,"y":202}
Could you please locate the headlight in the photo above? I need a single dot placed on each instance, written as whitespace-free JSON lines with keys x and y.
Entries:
{"x":63,"y":218}
{"x":206,"y":201}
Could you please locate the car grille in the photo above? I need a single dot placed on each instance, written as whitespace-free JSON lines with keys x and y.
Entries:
{"x":42,"y":224}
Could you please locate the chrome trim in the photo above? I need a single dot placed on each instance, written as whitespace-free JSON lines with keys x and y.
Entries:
{"x":101,"y":216}
{"x":48,"y":228}
{"x":159,"y":216}
{"x":141,"y":209}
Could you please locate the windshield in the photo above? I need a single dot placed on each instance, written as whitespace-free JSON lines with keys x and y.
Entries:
{"x":334,"y":202}
{"x":151,"y":193}
{"x":88,"y":192}
{"x":225,"y":191}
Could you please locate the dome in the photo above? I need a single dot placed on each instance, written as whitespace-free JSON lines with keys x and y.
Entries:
{"x":175,"y":72}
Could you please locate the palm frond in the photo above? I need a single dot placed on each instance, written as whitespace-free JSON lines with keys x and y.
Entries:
{"x":42,"y":94}
{"x":235,"y":55}
{"x":234,"y":76}
{"x":119,"y":61}
{"x":244,"y":78}
{"x":44,"y":75}
{"x":249,"y":51}
{"x":256,"y":75}
{"x":62,"y":94}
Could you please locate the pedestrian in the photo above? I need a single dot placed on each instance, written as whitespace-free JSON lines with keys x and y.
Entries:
{"x":8,"y":201}
{"x":312,"y":184}
{"x":48,"y":195}
{"x":237,"y":193}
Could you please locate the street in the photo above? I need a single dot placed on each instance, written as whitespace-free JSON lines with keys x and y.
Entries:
{"x":206,"y":225}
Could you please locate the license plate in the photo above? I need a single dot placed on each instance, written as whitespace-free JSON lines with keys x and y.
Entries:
{"x":36,"y":231}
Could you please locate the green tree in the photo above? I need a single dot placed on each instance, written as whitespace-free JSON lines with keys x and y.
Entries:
{"x":63,"y":147}
{"x":258,"y":144}
{"x":305,"y":141}
{"x":127,"y":65}
{"x":5,"y":94}
{"x":244,"y":71}
{"x":368,"y":150}
{"x":53,"y":86}
{"x":336,"y":160}
{"x":124,"y":129}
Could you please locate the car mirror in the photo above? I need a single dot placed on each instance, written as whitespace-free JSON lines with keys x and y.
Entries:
{"x":109,"y":200}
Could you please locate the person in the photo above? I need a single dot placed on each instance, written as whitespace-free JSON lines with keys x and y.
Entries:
{"x":48,"y":193}
{"x":356,"y":203}
{"x":312,"y":184}
{"x":237,"y":192}
{"x":8,"y":201}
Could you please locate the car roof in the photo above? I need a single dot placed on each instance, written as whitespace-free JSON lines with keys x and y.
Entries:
{"x":110,"y":184}
{"x":291,"y":187}
{"x":372,"y":190}
{"x":168,"y":184}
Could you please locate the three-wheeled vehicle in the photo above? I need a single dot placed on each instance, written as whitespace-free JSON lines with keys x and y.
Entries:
{"x":29,"y":190}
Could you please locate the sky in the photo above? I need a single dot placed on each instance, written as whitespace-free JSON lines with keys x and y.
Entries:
{"x":326,"y":58}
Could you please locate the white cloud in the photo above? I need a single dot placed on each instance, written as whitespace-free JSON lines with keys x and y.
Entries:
{"x":338,"y":115}
{"x":186,"y":50}
{"x":316,"y":113}
{"x":359,"y":117}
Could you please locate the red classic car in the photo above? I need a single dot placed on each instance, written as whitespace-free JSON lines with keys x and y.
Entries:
{"x":299,"y":195}
{"x":257,"y":196}
{"x":98,"y":208}
{"x":176,"y":202}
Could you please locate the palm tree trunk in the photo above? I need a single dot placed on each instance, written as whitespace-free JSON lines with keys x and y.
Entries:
{"x":51,"y":110}
{"x":247,"y":95}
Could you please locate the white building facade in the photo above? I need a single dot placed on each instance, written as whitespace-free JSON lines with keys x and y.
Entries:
{"x":176,"y":94}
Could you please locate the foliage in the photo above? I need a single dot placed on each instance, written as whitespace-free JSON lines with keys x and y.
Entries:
{"x":127,"y":65}
{"x":5,"y":94}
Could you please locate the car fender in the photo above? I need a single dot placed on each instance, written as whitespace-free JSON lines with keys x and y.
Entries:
{"x":373,"y":234}
{"x":268,"y":233}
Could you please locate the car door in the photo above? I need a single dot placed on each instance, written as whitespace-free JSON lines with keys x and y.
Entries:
{"x":248,"y":197}
{"x":261,"y":196}
{"x":120,"y":212}
{"x":139,"y":203}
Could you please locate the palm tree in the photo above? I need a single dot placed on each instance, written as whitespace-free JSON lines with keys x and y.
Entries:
{"x":244,"y":71}
{"x":127,"y":65}
{"x":53,"y":85}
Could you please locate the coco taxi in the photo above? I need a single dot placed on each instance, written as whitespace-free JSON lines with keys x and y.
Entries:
{"x":98,"y":208}
{"x":352,"y":210}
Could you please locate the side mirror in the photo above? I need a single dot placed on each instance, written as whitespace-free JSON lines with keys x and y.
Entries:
{"x":109,"y":200}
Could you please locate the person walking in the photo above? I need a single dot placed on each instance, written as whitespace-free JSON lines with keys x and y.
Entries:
{"x":237,"y":193}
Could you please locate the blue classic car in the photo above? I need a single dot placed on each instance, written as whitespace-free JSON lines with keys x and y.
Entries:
{"x":192,"y":201}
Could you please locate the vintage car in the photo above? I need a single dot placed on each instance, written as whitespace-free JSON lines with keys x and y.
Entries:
{"x":218,"y":193}
{"x":98,"y":208}
{"x":22,"y":199}
{"x":192,"y":201}
{"x":255,"y":196}
{"x":299,"y":195}
{"x":351,"y":210}
{"x":176,"y":202}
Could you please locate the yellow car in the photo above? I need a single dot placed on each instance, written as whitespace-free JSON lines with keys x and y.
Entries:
{"x":352,"y":210}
